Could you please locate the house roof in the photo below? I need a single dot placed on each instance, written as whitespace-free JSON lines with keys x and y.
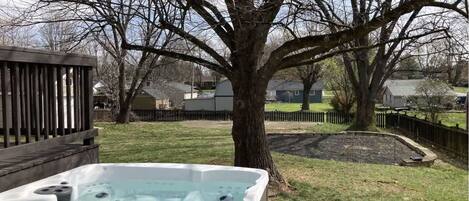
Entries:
{"x":402,"y":90}
{"x":180,"y":86}
{"x":407,"y":87}
{"x":402,"y":87}
{"x":155,"y":93}
{"x":414,"y":82}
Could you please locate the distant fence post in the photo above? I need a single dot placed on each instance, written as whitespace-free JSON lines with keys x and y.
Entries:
{"x":467,"y":111}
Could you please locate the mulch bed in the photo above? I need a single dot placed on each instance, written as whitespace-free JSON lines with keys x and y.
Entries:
{"x":342,"y":147}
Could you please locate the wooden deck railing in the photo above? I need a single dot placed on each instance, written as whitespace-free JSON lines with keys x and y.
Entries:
{"x":44,"y":95}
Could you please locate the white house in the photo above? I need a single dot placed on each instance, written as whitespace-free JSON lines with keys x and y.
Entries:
{"x":397,"y":92}
{"x":222,"y":99}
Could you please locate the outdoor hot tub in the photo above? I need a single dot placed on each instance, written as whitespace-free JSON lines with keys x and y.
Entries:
{"x":147,"y":182}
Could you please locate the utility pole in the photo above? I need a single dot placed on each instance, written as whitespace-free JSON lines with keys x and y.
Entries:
{"x":192,"y":81}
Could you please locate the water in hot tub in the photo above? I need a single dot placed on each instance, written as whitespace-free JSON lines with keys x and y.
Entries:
{"x":162,"y":191}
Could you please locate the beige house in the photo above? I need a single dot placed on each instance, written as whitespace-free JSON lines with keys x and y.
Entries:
{"x":150,"y":99}
{"x":163,"y":95}
{"x":153,"y":95}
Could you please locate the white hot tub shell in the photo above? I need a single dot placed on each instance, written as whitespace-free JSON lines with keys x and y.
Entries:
{"x":76,"y":178}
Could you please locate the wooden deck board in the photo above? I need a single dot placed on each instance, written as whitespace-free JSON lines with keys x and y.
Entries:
{"x":14,"y":163}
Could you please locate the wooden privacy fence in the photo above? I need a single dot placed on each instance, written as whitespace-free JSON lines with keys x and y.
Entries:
{"x":181,"y":115}
{"x":449,"y":139}
{"x":294,"y":116}
{"x":338,"y":118}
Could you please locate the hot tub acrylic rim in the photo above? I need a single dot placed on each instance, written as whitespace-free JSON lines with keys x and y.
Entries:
{"x":254,"y":193}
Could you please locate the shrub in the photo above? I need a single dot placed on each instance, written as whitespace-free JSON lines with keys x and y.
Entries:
{"x":342,"y":103}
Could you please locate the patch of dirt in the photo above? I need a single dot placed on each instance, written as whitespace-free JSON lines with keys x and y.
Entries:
{"x":352,"y":148}
{"x":270,"y":126}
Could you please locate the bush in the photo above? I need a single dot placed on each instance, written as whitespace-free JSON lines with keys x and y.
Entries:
{"x":342,"y":104}
{"x":433,"y":98}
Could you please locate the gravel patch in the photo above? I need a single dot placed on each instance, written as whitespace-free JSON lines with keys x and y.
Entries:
{"x":351,"y":148}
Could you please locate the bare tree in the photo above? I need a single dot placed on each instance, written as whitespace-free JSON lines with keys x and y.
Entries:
{"x":140,"y":65}
{"x":450,"y":60}
{"x":409,"y":68}
{"x":58,"y":36}
{"x":243,"y":28}
{"x":309,"y":75}
{"x":375,"y":55}
{"x":17,"y":36}
{"x":445,"y":59}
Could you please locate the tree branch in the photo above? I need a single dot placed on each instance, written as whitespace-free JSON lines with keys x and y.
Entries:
{"x":181,"y":56}
{"x":198,"y":43}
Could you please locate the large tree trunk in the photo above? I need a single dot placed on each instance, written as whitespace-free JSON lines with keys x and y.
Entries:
{"x":365,"y":115}
{"x":124,"y":109}
{"x":123,"y":117}
{"x":251,"y":146}
{"x":306,"y":89}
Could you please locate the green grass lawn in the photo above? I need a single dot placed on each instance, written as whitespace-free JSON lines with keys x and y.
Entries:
{"x":324,"y":106}
{"x":328,"y":93}
{"x":293,"y":107}
{"x":447,"y":119}
{"x":200,"y":142}
{"x":460,"y":89}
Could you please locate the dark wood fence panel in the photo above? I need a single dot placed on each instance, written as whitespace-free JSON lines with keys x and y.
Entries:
{"x":294,"y":116}
{"x":181,"y":115}
{"x":381,"y":120}
{"x":339,"y":118}
{"x":450,"y":139}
